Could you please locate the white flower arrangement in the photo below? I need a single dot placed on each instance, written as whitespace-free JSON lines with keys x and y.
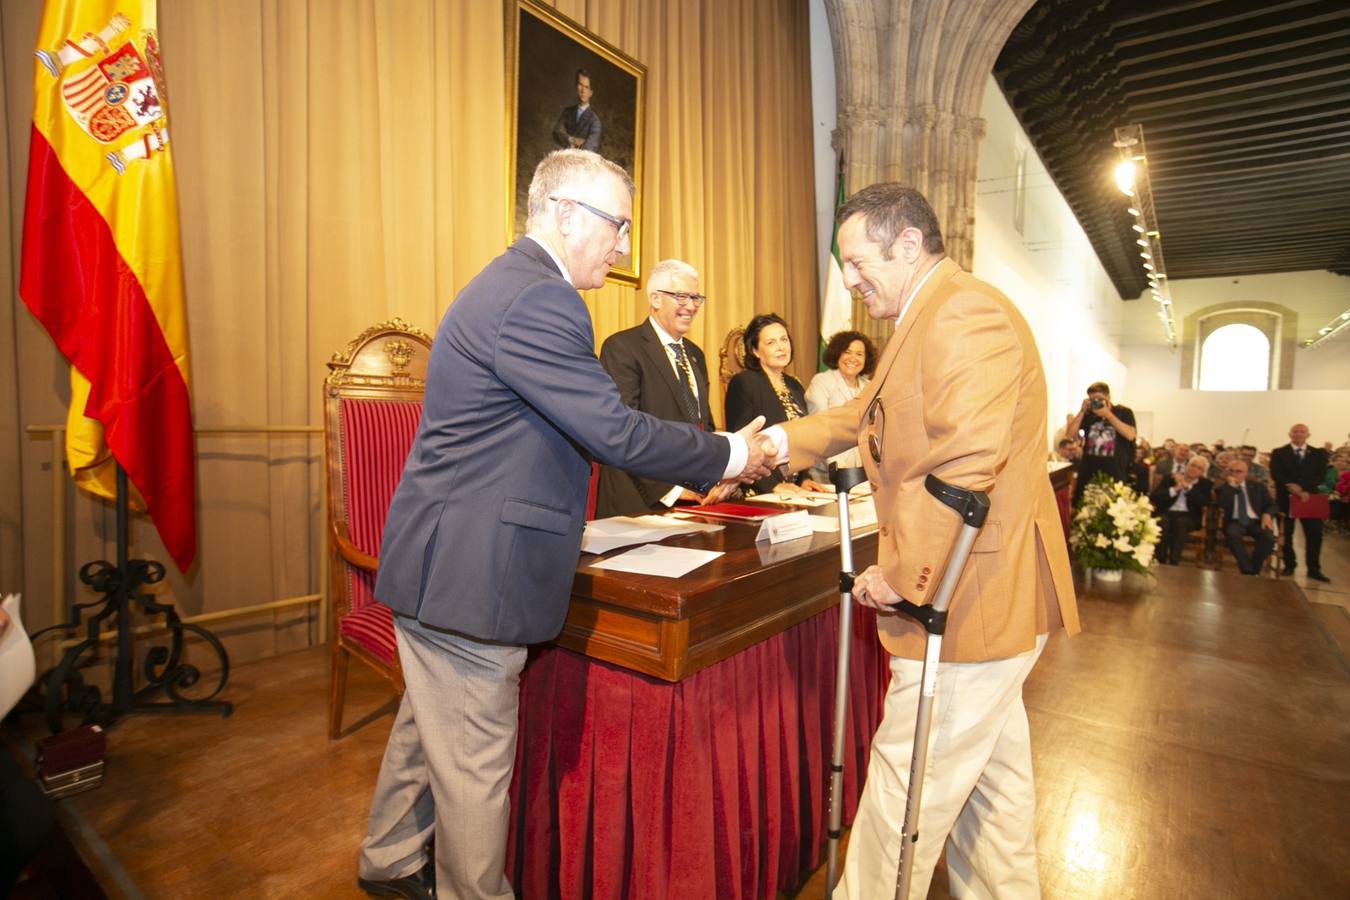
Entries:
{"x":1114,"y":527}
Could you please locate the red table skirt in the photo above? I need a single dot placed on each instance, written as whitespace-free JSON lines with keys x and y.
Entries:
{"x":627,"y":786}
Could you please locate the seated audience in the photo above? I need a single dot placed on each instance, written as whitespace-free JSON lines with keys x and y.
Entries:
{"x":765,"y":389}
{"x":850,"y":358}
{"x":1248,"y":511}
{"x":1068,"y":450}
{"x":1219,"y":466}
{"x":1180,"y":503}
{"x":1181,"y":454}
{"x":1340,"y":494}
{"x":1255,"y":471}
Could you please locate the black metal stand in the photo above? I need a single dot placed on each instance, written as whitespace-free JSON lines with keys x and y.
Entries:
{"x":164,"y":668}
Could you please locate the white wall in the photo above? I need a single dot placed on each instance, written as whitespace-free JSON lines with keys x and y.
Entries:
{"x":1320,"y":397}
{"x":1317,"y":297}
{"x":1048,"y":269}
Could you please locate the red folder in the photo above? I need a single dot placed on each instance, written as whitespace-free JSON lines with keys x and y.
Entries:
{"x":1312,"y":506}
{"x":740,"y":511}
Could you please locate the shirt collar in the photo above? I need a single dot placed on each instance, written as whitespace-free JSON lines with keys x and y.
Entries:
{"x":553,"y":256}
{"x":661,"y":334}
{"x":914,"y":293}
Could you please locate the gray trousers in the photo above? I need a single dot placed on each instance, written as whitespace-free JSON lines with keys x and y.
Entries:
{"x":448,"y":764}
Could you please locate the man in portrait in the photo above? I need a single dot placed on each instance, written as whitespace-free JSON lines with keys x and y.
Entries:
{"x":578,"y":125}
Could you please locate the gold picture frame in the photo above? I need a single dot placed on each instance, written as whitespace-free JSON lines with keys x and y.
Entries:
{"x":558,"y":52}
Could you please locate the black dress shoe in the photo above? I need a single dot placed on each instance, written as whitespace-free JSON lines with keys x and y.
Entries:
{"x":421,"y":885}
{"x":1318,"y":576}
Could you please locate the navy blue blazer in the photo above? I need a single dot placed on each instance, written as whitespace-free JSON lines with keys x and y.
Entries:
{"x":484,"y":530}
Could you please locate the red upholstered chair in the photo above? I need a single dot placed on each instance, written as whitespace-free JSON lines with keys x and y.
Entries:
{"x":372,"y":402}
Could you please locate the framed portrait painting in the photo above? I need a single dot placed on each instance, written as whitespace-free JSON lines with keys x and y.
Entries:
{"x":566,"y":87}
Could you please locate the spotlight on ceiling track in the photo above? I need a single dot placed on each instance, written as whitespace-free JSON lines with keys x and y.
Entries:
{"x":1131,"y":175}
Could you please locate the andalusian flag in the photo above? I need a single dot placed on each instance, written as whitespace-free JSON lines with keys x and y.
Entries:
{"x":836,"y":304}
{"x":101,"y":267}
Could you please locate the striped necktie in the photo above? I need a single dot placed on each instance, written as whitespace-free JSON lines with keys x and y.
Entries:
{"x":687,"y":398}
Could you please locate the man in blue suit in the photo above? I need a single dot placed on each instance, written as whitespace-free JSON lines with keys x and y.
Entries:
{"x":483,"y":533}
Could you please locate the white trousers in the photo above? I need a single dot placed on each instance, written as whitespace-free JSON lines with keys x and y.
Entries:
{"x":978,"y":793}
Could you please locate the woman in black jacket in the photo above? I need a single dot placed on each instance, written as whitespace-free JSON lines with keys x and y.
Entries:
{"x":765,"y":389}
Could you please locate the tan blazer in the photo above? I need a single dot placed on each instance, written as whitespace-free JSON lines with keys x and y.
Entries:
{"x":959,"y":393}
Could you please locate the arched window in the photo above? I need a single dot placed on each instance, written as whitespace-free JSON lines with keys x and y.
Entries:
{"x":1235,"y":358}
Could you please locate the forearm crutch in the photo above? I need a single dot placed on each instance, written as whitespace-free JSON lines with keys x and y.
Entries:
{"x":844,"y":480}
{"x":973,"y":507}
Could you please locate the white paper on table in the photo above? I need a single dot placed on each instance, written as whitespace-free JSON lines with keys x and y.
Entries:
{"x":603,"y":535}
{"x":17,"y":665}
{"x":656,"y":559}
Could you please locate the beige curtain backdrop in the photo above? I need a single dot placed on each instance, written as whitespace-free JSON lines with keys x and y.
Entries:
{"x":343,"y":161}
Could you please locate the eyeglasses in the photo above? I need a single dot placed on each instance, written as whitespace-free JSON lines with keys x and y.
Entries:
{"x":683,"y":299}
{"x":624,"y":226}
{"x":875,"y":431}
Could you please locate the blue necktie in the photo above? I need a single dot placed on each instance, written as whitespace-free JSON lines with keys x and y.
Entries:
{"x":1244,"y":515}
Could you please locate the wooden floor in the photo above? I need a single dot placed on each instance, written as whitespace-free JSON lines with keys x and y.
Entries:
{"x":1194,"y":741}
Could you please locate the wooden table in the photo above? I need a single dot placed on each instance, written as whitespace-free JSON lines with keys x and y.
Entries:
{"x":675,"y":742}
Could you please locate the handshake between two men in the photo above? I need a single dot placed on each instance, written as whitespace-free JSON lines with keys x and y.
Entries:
{"x":761,"y":458}
{"x":870,"y":587}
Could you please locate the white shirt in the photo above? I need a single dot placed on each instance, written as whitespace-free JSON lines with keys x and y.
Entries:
{"x":553,"y":256}
{"x":1247,"y":498}
{"x":739,"y":451}
{"x":914,"y":293}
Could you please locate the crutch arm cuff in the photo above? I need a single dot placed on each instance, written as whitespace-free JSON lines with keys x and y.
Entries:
{"x":972,"y":506}
{"x":933,"y":621}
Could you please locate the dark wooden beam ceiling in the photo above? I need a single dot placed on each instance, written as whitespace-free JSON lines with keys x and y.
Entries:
{"x":1246,"y":115}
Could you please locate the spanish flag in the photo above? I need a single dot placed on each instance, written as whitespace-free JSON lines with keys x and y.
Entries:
{"x":101,"y":266}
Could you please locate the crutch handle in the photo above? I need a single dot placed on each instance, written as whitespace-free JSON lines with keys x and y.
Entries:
{"x":934,"y":621}
{"x":972,"y":506}
{"x":845,"y":480}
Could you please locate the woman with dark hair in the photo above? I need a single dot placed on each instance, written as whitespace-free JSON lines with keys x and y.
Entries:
{"x":765,"y":389}
{"x":850,"y":360}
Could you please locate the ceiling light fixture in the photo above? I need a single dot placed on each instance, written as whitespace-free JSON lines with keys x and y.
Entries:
{"x":1131,"y":177}
{"x":1336,"y":327}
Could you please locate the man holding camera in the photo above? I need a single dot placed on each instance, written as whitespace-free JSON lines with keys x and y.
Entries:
{"x":1108,"y":437}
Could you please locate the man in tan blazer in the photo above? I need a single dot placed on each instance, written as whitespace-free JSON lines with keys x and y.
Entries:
{"x":959,"y":393}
